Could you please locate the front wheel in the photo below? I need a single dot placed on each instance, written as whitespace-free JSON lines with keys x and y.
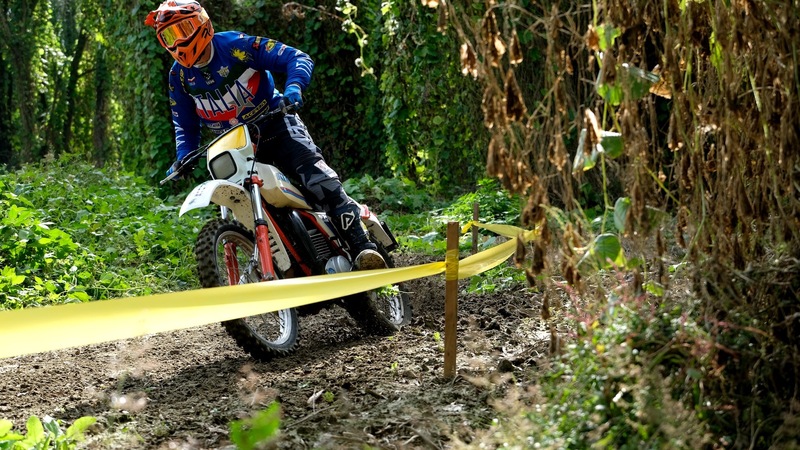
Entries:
{"x":382,"y":311}
{"x":225,"y":253}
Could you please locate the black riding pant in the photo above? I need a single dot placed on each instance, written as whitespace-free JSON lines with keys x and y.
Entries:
{"x":286,"y":143}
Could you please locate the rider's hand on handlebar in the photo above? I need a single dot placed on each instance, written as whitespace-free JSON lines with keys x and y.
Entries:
{"x":174,"y":167}
{"x":293,"y":94}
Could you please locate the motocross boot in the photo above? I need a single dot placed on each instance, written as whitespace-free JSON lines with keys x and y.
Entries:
{"x":367,"y":257}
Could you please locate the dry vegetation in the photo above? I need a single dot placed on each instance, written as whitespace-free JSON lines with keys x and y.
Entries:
{"x":710,"y":164}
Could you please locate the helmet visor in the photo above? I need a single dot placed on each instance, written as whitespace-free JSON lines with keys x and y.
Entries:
{"x":183,"y":29}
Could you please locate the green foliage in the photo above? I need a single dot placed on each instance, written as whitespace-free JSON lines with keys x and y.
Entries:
{"x":44,"y":434}
{"x":633,"y":83}
{"x":495,"y":204}
{"x":621,"y":208}
{"x":396,"y":199}
{"x":604,"y":252}
{"x":246,"y":434}
{"x":75,"y":233}
{"x":431,"y":116}
{"x":431,"y":243}
{"x":42,"y":264}
{"x":603,"y":392}
{"x":54,"y":67}
{"x":614,"y":387}
{"x":24,"y":32}
{"x":143,"y":127}
{"x":389,"y":195}
{"x":498,"y":279}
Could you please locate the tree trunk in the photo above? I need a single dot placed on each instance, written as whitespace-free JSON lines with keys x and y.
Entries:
{"x":102,"y":80}
{"x":70,"y":93}
{"x":25,"y":98}
{"x":7,"y":155}
{"x":16,"y":26}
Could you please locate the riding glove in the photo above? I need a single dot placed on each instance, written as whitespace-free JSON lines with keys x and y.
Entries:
{"x":293,"y":94}
{"x":175,"y":166}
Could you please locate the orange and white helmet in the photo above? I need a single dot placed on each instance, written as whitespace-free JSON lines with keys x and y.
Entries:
{"x":183,"y":28}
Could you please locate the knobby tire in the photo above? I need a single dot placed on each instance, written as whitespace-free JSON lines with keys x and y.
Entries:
{"x":212,"y":273}
{"x":370,"y":312}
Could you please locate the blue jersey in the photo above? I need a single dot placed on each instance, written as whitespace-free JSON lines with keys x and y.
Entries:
{"x":235,"y":86}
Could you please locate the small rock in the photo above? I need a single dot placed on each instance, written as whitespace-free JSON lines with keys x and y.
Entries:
{"x":505,"y":366}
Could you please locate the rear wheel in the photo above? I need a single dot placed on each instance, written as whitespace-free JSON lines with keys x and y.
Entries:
{"x":381,"y":311}
{"x":264,"y":336}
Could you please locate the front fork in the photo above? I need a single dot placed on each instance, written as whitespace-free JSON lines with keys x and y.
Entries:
{"x":263,"y":248}
{"x":262,"y":231}
{"x":231,"y":262}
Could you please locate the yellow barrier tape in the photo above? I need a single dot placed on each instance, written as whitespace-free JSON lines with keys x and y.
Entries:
{"x":485,"y":260}
{"x":35,"y":330}
{"x":493,"y":257}
{"x":509,"y":231}
{"x":451,"y":265}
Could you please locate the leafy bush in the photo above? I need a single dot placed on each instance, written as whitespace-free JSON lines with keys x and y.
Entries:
{"x":501,"y":278}
{"x":44,"y":434}
{"x":75,"y":233}
{"x":388,"y":195}
{"x":264,"y":425}
{"x":495,"y":204}
{"x":41,"y":264}
{"x":419,"y":219}
{"x":614,"y":387}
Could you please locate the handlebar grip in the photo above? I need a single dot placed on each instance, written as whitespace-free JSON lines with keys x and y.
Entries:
{"x":169,"y":177}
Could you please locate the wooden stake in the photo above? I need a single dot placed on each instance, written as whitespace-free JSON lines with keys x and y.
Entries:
{"x":451,"y":300}
{"x":475,"y":217}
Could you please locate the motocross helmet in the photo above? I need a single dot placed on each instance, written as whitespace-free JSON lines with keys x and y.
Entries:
{"x":183,"y":28}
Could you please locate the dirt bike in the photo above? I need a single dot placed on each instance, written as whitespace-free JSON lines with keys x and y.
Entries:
{"x":268,"y":231}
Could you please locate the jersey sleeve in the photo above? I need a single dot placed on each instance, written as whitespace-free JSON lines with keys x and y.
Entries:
{"x":184,"y":116}
{"x":274,"y":56}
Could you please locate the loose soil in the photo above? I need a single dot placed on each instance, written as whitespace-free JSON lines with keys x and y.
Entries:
{"x":341,"y":389}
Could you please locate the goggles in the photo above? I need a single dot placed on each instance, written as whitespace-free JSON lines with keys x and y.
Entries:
{"x":183,"y":29}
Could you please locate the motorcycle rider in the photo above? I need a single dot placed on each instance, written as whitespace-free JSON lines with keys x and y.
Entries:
{"x":221,"y":79}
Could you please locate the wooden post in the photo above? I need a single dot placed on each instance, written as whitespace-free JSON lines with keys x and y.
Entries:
{"x":451,"y":300}
{"x":475,"y":217}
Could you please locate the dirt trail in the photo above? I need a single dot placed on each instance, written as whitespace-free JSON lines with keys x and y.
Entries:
{"x":180,"y":390}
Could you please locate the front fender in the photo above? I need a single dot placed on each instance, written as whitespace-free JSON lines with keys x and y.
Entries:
{"x":223,"y":193}
{"x":237,"y":200}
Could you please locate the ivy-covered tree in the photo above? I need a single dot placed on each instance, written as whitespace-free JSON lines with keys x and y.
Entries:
{"x":64,"y":53}
{"x":387,"y":97}
{"x":431,"y":112}
{"x":7,"y":154}
{"x":19,"y":23}
{"x":102,"y":110}
{"x":143,"y":126}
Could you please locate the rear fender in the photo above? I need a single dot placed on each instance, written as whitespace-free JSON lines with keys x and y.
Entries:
{"x":378,"y":229}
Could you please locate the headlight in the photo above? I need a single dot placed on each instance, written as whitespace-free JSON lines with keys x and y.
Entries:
{"x":222,"y":166}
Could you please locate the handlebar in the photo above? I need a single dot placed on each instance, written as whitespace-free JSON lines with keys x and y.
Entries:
{"x":189,"y":161}
{"x":287,"y":108}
